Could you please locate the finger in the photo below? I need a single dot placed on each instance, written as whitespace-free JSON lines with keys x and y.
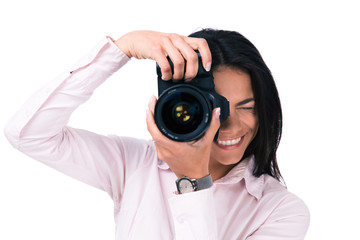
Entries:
{"x":176,"y":58}
{"x":203,"y":47}
{"x":162,"y":61}
{"x":152,"y":127}
{"x":188,"y":54}
{"x":151,"y":104}
{"x":214,"y":126}
{"x":154,"y":131}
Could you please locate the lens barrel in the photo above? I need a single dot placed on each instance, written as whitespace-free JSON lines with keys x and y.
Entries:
{"x":183,"y":113}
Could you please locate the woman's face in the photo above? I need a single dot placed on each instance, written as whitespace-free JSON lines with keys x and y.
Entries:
{"x":240,"y":128}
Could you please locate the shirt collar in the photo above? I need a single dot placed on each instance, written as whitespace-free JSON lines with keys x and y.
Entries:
{"x":243,"y":170}
{"x":254,"y":185}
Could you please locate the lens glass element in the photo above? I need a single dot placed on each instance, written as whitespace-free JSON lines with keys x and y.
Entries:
{"x":182,"y":113}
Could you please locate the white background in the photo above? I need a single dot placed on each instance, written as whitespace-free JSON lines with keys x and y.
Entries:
{"x":312,"y":48}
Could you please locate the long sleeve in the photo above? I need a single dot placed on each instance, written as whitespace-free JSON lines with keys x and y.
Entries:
{"x":39,"y":128}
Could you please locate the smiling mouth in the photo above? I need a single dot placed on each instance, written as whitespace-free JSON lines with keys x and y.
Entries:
{"x":229,"y":142}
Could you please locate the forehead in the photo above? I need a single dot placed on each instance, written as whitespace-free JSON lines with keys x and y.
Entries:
{"x":233,"y":84}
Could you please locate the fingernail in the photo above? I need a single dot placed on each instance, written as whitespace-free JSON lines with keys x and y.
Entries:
{"x":217,"y":112}
{"x":151,"y":99}
{"x":164,"y":78}
{"x":208,"y":67}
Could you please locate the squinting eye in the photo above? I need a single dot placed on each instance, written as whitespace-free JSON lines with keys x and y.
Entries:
{"x":247,"y":109}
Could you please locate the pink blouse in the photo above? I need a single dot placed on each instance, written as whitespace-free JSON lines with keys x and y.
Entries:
{"x":142,"y":187}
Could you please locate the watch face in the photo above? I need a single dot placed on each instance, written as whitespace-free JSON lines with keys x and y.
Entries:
{"x":185,"y":186}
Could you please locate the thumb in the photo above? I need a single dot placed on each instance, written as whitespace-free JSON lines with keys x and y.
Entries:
{"x":214,"y":125}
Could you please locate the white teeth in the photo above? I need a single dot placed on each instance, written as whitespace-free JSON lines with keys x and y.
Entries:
{"x":229,"y":142}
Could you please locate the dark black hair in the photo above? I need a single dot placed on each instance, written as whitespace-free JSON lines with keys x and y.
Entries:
{"x":231,"y":49}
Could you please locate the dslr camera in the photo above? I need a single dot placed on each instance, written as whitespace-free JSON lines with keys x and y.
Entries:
{"x":183,"y":111}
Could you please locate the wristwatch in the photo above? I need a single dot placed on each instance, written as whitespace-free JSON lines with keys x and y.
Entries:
{"x":185,"y":184}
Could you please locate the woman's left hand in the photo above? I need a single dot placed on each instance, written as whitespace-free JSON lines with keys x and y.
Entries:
{"x":189,"y":159}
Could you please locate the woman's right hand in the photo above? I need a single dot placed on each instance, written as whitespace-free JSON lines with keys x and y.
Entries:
{"x":157,"y":46}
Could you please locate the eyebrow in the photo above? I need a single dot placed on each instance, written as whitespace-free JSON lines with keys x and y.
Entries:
{"x":245,"y":101}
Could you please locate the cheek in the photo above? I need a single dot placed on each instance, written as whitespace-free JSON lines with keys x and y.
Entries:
{"x":252,"y":123}
{"x":249,"y":120}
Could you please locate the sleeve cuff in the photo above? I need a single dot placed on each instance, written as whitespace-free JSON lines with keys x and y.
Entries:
{"x":107,"y":46}
{"x":194,"y":215}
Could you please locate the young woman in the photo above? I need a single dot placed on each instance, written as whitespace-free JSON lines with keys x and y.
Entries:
{"x":239,"y":194}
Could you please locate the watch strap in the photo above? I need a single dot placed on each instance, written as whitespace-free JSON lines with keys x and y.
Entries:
{"x":204,"y":183}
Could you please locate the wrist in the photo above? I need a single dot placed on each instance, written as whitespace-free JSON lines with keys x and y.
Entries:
{"x":193,"y":175}
{"x":193,"y":171}
{"x":122,"y":45}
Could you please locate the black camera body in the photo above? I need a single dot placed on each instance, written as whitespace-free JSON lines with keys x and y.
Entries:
{"x":183,"y":110}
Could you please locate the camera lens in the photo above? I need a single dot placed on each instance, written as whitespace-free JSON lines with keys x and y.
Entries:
{"x":182,"y":113}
